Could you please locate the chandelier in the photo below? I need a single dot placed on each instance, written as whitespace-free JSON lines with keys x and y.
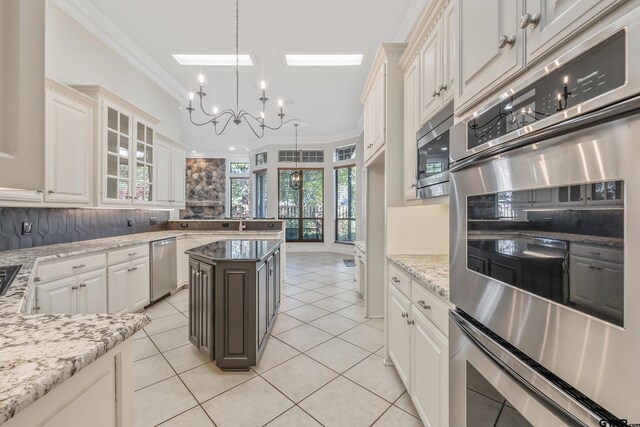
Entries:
{"x":295,"y":179}
{"x":256,"y":124}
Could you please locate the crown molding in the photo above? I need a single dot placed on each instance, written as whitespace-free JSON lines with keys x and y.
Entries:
{"x":96,"y":22}
{"x":97,"y":92}
{"x":385,"y":50}
{"x":307,"y":140}
{"x":421,"y":28}
{"x":69,"y":92}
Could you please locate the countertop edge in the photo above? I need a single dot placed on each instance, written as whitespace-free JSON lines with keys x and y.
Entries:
{"x":421,"y":276}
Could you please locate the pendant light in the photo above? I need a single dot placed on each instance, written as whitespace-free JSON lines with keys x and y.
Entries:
{"x":295,"y":179}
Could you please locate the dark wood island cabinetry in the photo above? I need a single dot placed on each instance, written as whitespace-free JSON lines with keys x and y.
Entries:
{"x":234,"y":296}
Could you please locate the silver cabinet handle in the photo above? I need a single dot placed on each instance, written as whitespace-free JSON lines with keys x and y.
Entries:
{"x":133,"y":253}
{"x":395,"y":279}
{"x":50,"y":191}
{"x":413,"y":186}
{"x":424,"y":305}
{"x":505,"y":41}
{"x":442,"y":88}
{"x":528,"y":20}
{"x":435,"y":93}
{"x":74,"y":288}
{"x":410,"y":322}
{"x":132,"y":269}
{"x":75,"y":267}
{"x":83,"y":285}
{"x":405,"y":314}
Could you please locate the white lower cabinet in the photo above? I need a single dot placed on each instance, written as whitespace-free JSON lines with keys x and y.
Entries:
{"x":400,"y":339}
{"x":429,"y":371}
{"x":128,"y":286}
{"x":84,"y":293}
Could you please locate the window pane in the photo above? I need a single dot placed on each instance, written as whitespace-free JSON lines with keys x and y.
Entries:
{"x":236,"y":167}
{"x":312,"y":230}
{"x":345,"y":192}
{"x":239,"y":197}
{"x":261,"y":158}
{"x":304,"y":208}
{"x":261,"y":194}
{"x":312,"y":194}
{"x":345,"y":153}
{"x":292,"y":229}
{"x":288,"y":205}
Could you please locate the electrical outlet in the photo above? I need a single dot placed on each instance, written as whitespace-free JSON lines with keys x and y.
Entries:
{"x":153,"y":220}
{"x":129,"y":222}
{"x":26,"y":228}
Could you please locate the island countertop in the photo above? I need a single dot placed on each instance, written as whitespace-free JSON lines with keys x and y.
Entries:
{"x":236,"y":250}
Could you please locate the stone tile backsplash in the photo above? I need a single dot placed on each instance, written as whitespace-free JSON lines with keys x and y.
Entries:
{"x":50,"y":226}
{"x":206,"y":189}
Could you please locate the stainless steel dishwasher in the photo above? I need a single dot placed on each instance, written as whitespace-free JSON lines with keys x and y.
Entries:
{"x":164,"y":278}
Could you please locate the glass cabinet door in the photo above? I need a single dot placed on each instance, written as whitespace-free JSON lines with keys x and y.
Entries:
{"x":118,"y":174}
{"x":143,"y":191}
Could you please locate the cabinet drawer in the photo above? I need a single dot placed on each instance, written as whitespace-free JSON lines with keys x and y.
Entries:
{"x":128,"y":253}
{"x":431,"y":306}
{"x":69,"y":266}
{"x":602,"y":253}
{"x":400,"y":280}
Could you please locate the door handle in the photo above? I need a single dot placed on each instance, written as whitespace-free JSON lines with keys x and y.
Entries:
{"x":424,"y":305}
{"x":79,"y":266}
{"x":133,"y":254}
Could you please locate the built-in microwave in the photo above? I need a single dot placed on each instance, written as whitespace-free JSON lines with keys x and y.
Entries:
{"x":433,"y":155}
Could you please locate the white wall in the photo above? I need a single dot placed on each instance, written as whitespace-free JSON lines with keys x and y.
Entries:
{"x":73,"y":55}
{"x":329,"y":198}
{"x":418,"y":230}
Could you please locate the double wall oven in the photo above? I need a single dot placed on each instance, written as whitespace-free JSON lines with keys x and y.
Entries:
{"x":433,"y":154}
{"x":545,"y":214}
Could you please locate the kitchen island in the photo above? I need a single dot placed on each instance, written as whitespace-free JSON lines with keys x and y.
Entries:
{"x":234,"y":296}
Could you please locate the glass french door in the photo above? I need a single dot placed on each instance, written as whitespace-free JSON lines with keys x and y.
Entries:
{"x":345,"y":193}
{"x":302,"y":209}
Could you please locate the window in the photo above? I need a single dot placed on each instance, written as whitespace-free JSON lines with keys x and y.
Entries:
{"x":303,"y":209}
{"x":301,"y":156}
{"x":348,"y":152}
{"x":238,"y":168}
{"x":239,"y":197}
{"x":345,"y":190}
{"x":261,"y":194}
{"x":261,"y":158}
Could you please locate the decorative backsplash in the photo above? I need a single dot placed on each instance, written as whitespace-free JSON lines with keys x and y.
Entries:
{"x":206,"y":186}
{"x":50,"y":226}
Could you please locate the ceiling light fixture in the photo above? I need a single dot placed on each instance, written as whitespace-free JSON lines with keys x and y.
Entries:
{"x":324,"y":60}
{"x":213,"y":60}
{"x":237,"y":115}
{"x":295,"y":179}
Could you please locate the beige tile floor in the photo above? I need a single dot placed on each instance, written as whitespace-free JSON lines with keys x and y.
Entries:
{"x":322,"y":365}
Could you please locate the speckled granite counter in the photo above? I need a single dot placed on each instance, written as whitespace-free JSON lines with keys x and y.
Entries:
{"x":430,"y":270}
{"x":40,"y":351}
{"x":576,"y":238}
{"x":360,"y":245}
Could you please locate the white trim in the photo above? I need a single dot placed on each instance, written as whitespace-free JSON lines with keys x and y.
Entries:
{"x":309,"y":140}
{"x":92,"y":18}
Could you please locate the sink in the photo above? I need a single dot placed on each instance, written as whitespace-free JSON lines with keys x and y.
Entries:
{"x":7,"y":274}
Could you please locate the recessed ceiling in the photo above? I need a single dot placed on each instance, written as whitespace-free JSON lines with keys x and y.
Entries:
{"x":325,"y":98}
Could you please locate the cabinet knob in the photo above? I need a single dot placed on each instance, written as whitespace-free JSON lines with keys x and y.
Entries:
{"x":75,"y":267}
{"x":435,"y":93}
{"x":74,"y":288}
{"x":424,"y":305}
{"x":83,"y":285}
{"x":133,"y":254}
{"x":442,"y":88}
{"x":405,"y":314}
{"x":410,"y":322}
{"x":528,"y":20}
{"x":395,"y":279}
{"x":50,"y":191}
{"x":504,"y":41}
{"x":412,"y":186}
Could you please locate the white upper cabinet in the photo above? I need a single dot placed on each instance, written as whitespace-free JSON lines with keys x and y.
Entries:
{"x":490,"y":47}
{"x":163,"y":180}
{"x":411,"y":120}
{"x":170,"y":168}
{"x":380,"y":117}
{"x":448,"y":30}
{"x":178,"y":177}
{"x":22,"y":110}
{"x":548,"y":23}
{"x":142,"y":173}
{"x":430,"y":75}
{"x":68,"y":142}
{"x":118,"y":135}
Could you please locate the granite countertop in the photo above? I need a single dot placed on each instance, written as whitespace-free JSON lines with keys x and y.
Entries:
{"x":40,"y":351}
{"x":361,"y":245}
{"x":569,"y":237}
{"x":431,"y":271}
{"x":236,"y":250}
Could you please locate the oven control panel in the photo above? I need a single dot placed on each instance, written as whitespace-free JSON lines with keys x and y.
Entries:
{"x":595,"y":72}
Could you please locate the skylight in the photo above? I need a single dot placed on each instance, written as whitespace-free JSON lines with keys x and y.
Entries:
{"x":324,"y":60}
{"x":212,"y":59}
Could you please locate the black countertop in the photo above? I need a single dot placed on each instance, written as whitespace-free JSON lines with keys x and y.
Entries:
{"x":236,"y":250}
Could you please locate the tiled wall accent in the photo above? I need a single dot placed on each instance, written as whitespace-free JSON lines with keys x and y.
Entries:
{"x":206,"y":186}
{"x":51,"y":226}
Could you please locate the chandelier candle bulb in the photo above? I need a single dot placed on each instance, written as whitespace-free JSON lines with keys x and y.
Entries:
{"x":201,"y":79}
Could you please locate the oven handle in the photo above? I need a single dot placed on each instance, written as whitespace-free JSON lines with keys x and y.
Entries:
{"x":554,"y":407}
{"x":610,"y":113}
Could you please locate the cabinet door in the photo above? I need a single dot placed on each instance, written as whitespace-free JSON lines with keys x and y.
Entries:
{"x":68,"y":142}
{"x":194,"y":303}
{"x":429,"y":372}
{"x":92,"y":292}
{"x":271,"y":292}
{"x":276,"y":279}
{"x":400,"y":334}
{"x":58,"y":297}
{"x":118,"y":143}
{"x":430,"y":75}
{"x":522,"y":198}
{"x":558,"y":21}
{"x":142,"y":176}
{"x":178,"y":177}
{"x":411,"y":123}
{"x":139,"y":284}
{"x":368,"y":128}
{"x":163,"y":169}
{"x":611,"y":292}
{"x":262,"y":301}
{"x":483,"y":66}
{"x":543,"y":198}
{"x":583,"y":282}
{"x":572,"y":195}
{"x":448,"y":36}
{"x":182,"y":266}
{"x":380,"y":107}
{"x":206,"y":309}
{"x":118,"y":300}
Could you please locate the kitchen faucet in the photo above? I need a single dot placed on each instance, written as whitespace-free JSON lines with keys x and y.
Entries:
{"x":243,"y":224}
